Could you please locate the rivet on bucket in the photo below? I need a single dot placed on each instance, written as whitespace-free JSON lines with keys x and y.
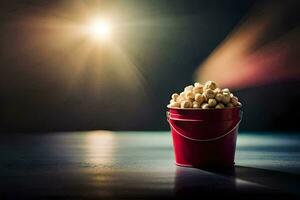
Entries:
{"x":204,"y":138}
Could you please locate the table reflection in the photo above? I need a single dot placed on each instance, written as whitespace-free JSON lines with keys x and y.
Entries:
{"x":100,"y":147}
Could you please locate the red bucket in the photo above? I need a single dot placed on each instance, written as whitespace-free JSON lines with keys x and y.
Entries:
{"x":204,"y":138}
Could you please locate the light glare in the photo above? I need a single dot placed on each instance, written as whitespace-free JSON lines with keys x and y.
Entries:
{"x":100,"y":29}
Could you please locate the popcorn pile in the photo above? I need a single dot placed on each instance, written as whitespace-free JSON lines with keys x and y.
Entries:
{"x":204,"y":97}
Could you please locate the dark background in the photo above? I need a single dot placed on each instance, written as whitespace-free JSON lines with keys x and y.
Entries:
{"x":41,"y":91}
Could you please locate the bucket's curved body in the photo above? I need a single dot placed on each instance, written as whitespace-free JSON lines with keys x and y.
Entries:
{"x":204,"y":138}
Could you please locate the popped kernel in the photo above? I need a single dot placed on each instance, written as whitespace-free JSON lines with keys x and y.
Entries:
{"x":199,"y":98}
{"x":209,"y":94}
{"x":188,"y":88}
{"x":197,"y":84}
{"x":226,"y":98}
{"x":219,"y":97}
{"x":172,"y":101}
{"x":181,"y":97}
{"x":175,"y":105}
{"x":217,"y":90}
{"x":226,"y":90}
{"x":175,"y":96}
{"x":205,"y":99}
{"x":234,"y":100}
{"x":229,"y":105}
{"x":186,"y":104}
{"x":196,"y":104}
{"x":205,"y":106}
{"x":210,"y":85}
{"x":198,"y":89}
{"x":189,"y":95}
{"x":212,"y":102}
{"x":220,"y":105}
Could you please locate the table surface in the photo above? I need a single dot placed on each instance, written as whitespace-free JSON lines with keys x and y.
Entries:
{"x":104,"y":164}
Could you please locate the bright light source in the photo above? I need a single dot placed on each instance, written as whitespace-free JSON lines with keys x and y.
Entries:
{"x":99,"y":29}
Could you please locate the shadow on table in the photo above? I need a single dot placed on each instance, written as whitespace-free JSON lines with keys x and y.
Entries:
{"x":240,"y":181}
{"x":283,"y":181}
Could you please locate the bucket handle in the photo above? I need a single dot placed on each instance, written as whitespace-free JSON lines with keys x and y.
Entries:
{"x":202,"y":140}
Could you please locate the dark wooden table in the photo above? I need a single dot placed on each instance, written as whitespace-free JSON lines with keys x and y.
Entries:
{"x":140,"y":165}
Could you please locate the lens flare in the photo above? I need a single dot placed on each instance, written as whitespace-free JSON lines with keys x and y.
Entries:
{"x":99,"y":29}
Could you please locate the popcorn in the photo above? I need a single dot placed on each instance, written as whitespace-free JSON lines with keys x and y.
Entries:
{"x":229,"y":105}
{"x":198,"y":89}
{"x":210,"y":85}
{"x":186,"y":104}
{"x":205,"y":99}
{"x":212,"y":103}
{"x":226,"y":90}
{"x":196,"y":104}
{"x":226,"y":98}
{"x":217,"y":90}
{"x":199,"y":98}
{"x":219,"y":97}
{"x":172,"y":101}
{"x":175,"y":105}
{"x":175,"y":96}
{"x":205,"y":106}
{"x":188,"y":88}
{"x":207,"y":96}
{"x":181,"y":97}
{"x":209,"y":93}
{"x":198,"y":84}
{"x":220,"y":105}
{"x":189,"y":95}
{"x":234,"y":100}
